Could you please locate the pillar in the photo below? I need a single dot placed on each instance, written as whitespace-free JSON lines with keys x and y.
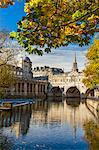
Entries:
{"x":33,"y":89}
{"x":21,"y":89}
{"x":25,"y":89}
{"x":46,"y":88}
{"x":16,"y":87}
{"x":36,"y":89}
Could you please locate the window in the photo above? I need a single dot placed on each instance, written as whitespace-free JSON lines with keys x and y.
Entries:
{"x":20,"y":73}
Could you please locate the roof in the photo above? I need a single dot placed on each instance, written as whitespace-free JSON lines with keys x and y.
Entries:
{"x":27,"y":59}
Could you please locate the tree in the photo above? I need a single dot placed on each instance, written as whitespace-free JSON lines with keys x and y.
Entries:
{"x":92,"y":69}
{"x":8,"y":49}
{"x":5,"y":3}
{"x":54,"y":23}
{"x":7,"y":60}
{"x":3,"y":38}
{"x":6,"y":76}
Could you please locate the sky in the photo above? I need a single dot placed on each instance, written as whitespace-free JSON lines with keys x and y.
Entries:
{"x":62,"y":57}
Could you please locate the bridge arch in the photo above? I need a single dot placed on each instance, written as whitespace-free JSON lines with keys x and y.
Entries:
{"x":89,"y":92}
{"x":73,"y":92}
{"x":56,"y":91}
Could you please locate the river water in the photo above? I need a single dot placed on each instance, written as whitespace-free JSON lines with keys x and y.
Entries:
{"x":48,"y":125}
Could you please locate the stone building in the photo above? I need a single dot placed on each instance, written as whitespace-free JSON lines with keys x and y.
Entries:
{"x":25,"y":85}
{"x":46,"y":71}
{"x":42,"y":81}
{"x":96,"y":93}
{"x":63,"y":83}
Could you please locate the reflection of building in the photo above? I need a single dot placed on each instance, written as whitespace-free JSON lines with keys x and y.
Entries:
{"x":49,"y":114}
{"x":26,"y":85}
{"x":61,"y":111}
{"x":58,"y":113}
{"x":63,"y":80}
{"x":18,"y":119}
{"x":73,"y":102}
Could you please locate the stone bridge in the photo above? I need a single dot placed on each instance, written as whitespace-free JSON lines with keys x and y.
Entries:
{"x":73,"y":89}
{"x":71,"y":83}
{"x":69,"y":89}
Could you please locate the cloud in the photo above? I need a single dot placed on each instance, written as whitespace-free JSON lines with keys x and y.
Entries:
{"x":61,"y":58}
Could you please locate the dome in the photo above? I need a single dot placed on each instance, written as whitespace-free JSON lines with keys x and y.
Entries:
{"x":27,"y":59}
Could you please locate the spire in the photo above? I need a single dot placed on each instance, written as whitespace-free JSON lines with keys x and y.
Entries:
{"x":75,"y":58}
{"x":75,"y":68}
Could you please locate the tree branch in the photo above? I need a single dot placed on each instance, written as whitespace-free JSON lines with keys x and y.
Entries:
{"x":80,"y":18}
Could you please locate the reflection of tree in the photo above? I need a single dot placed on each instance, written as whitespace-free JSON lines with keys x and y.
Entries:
{"x":92,"y":134}
{"x":92,"y":110}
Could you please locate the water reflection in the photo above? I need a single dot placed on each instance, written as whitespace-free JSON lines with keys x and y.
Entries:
{"x":56,"y":125}
{"x":73,"y":102}
{"x":93,"y":108}
{"x":5,"y":142}
{"x":92,"y":134}
{"x":18,"y":119}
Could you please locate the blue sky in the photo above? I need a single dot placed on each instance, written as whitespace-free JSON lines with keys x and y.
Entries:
{"x":11,"y":15}
{"x":62,"y":57}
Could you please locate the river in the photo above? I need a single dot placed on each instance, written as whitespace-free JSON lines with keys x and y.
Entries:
{"x":50,"y":125}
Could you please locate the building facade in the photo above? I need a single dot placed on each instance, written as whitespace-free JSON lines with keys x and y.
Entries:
{"x":46,"y":81}
{"x":25,"y":85}
{"x":69,"y":84}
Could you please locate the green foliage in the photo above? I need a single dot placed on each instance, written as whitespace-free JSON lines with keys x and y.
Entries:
{"x":13,"y":35}
{"x":1,"y":93}
{"x":7,"y":78}
{"x":77,"y":14}
{"x":53,"y":23}
{"x":92,"y":69}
